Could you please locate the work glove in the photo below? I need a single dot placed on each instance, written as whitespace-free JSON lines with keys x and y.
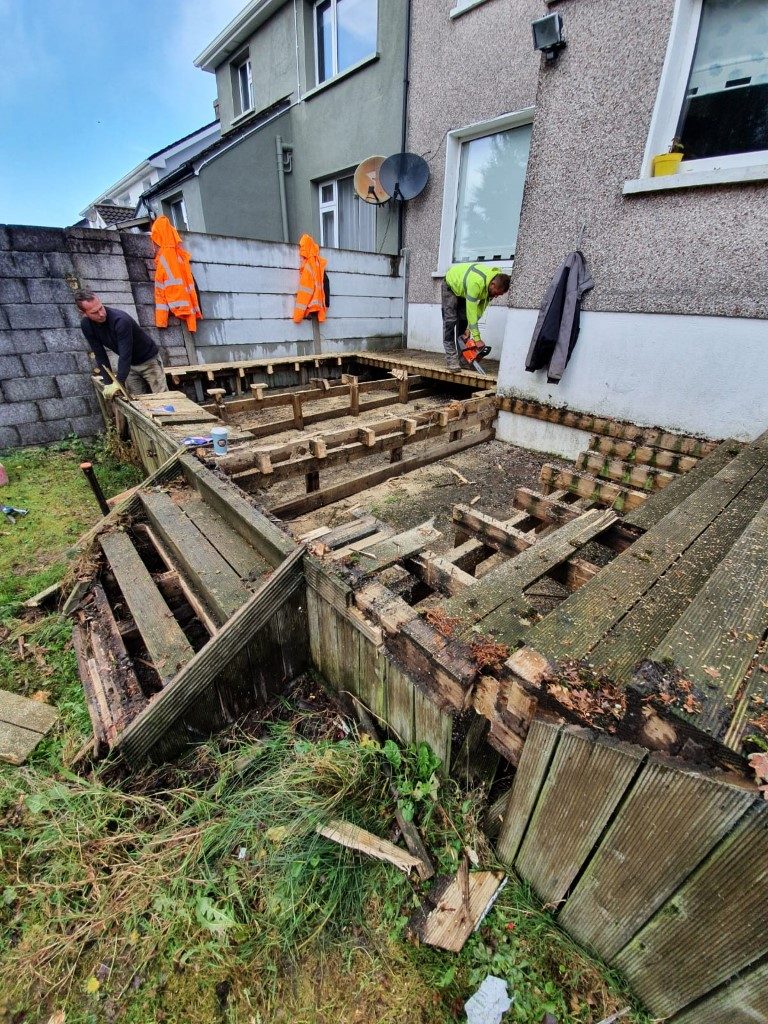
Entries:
{"x":112,"y":389}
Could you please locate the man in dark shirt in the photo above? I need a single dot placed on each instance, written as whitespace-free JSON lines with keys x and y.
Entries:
{"x":138,"y":366}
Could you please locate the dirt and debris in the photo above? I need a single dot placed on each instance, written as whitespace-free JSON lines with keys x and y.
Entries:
{"x":488,"y":653}
{"x":666,"y":687}
{"x":445,"y":624}
{"x":595,"y":699}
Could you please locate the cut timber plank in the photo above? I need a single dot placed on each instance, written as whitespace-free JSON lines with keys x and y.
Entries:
{"x":671,"y":819}
{"x":638,"y":633}
{"x":744,"y":1000}
{"x":715,"y":640}
{"x":489,"y":531}
{"x":216,"y":582}
{"x":458,"y":907}
{"x":168,"y":707}
{"x":532,"y":769}
{"x":587,"y":779}
{"x":642,"y":454}
{"x":669,"y":963}
{"x":576,"y":626}
{"x":326,"y":496}
{"x":602,"y":492}
{"x":641,"y":477}
{"x":23,"y":724}
{"x":168,"y":648}
{"x":354,"y":838}
{"x":545,"y":506}
{"x":653,"y":511}
{"x":403,"y":545}
{"x":440,"y":573}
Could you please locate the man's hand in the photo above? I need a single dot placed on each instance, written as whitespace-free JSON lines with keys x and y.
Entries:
{"x":113,"y":389}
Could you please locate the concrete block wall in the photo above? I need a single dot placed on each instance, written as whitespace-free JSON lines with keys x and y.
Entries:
{"x":45,"y":363}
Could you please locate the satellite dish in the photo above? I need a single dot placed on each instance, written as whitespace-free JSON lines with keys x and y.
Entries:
{"x":404,"y":175}
{"x":366,"y":181}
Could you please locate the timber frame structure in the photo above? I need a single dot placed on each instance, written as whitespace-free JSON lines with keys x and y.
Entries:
{"x":624,"y":714}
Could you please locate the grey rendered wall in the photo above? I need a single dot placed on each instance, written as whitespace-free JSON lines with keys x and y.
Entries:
{"x":463,"y":70}
{"x":697,"y":250}
{"x":239,"y":189}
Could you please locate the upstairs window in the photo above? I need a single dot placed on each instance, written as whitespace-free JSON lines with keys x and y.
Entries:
{"x":346,"y":222}
{"x":243,"y":86}
{"x":725,"y":107}
{"x":177,"y":213}
{"x":345,"y":33}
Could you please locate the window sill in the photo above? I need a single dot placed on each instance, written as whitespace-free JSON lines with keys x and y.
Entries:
{"x":468,"y":6}
{"x":241,"y":118}
{"x":694,"y":179}
{"x":342,"y":74}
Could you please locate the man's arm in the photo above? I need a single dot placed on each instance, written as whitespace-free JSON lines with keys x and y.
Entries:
{"x":474,"y":312}
{"x":124,"y":339}
{"x":102,"y":359}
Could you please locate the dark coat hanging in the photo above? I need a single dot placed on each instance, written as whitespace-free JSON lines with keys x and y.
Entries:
{"x":557,"y":328}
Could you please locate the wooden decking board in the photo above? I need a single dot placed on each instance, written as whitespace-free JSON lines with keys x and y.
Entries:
{"x":534,"y":762}
{"x":656,"y":508}
{"x":546,"y":506}
{"x":715,"y":640}
{"x":636,"y":635}
{"x":751,"y":704}
{"x":628,"y":474}
{"x":168,"y":648}
{"x":217,"y":584}
{"x":643,"y":454}
{"x":669,"y":822}
{"x":744,"y":1000}
{"x":668,"y":963}
{"x":23,"y":724}
{"x":580,"y":622}
{"x":386,"y":552}
{"x":587,"y":779}
{"x":501,"y":589}
{"x":242,"y":556}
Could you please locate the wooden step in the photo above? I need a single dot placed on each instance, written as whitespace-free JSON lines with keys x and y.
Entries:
{"x":602,"y":492}
{"x":242,"y":556}
{"x":214,"y":580}
{"x":643,"y":478}
{"x":166,"y":644}
{"x":643,"y":454}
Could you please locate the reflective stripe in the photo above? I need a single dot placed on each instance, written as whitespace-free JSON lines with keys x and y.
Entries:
{"x":170,"y":279}
{"x":300,"y":305}
{"x":177,"y":304}
{"x":161,"y":305}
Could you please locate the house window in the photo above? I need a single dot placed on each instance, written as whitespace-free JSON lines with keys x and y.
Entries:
{"x":177,"y":212}
{"x":243,"y":81}
{"x":713,"y":94}
{"x":346,"y":222}
{"x":345,"y":33}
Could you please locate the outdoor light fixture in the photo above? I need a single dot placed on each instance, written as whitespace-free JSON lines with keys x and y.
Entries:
{"x":548,"y":35}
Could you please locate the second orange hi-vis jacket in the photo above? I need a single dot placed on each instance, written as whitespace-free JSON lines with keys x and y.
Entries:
{"x":310,"y":297}
{"x":174,"y":285}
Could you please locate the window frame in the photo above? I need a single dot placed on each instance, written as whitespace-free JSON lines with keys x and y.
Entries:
{"x":332,"y":206}
{"x":335,"y":43}
{"x":670,"y":96}
{"x":177,"y":200}
{"x":453,"y":143}
{"x":244,"y":61}
{"x":462,"y":6}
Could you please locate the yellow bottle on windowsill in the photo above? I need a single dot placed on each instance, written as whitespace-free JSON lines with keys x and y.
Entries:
{"x":666,"y":163}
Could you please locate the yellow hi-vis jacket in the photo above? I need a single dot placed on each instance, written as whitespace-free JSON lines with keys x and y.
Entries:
{"x":310,"y":295}
{"x":470,"y":281}
{"x":174,"y":285}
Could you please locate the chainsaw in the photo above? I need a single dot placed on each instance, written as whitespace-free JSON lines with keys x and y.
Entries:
{"x":471,"y":352}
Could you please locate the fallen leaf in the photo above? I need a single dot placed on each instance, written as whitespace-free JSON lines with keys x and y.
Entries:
{"x":276,"y":834}
{"x":712,"y":672}
{"x":759,"y":765}
{"x":57,"y":1018}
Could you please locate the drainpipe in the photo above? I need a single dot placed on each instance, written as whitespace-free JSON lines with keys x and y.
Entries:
{"x":403,"y":136}
{"x":281,"y":184}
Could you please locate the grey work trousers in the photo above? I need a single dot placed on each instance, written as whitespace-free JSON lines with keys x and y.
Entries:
{"x":144,"y":377}
{"x":454,"y":320}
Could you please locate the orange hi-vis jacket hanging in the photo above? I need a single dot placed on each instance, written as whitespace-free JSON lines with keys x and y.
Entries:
{"x":310,"y":297}
{"x":174,"y":285}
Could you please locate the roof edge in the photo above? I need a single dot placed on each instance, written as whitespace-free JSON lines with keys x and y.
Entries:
{"x":236,"y":32}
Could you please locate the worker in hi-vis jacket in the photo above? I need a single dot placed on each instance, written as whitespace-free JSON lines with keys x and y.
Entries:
{"x":466,"y":292}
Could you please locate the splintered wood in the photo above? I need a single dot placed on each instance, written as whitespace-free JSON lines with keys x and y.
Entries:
{"x":355,"y":838}
{"x":456,"y":907}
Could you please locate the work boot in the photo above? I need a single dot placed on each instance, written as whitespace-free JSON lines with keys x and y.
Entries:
{"x":453,"y":364}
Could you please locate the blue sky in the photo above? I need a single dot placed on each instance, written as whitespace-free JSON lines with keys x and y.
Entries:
{"x":89,"y":88}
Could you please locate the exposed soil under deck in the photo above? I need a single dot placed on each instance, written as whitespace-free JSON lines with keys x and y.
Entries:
{"x":495,"y":469}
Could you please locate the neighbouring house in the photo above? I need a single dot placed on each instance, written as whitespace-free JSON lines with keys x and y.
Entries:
{"x":117,"y":206}
{"x":531,"y":158}
{"x":306,"y":91}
